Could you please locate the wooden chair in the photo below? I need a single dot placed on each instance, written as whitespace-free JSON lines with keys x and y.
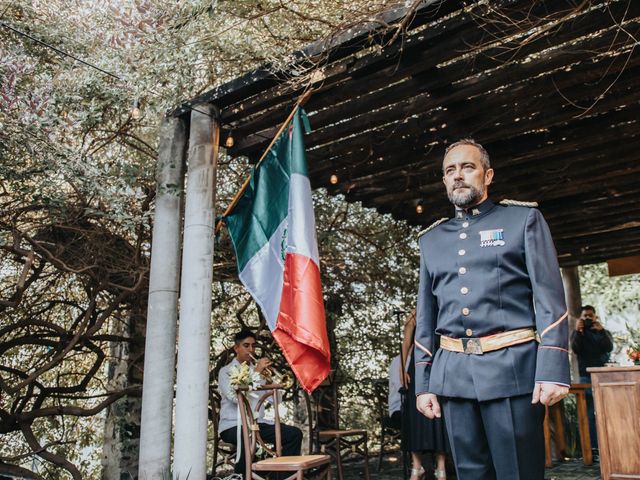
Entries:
{"x":390,"y":435}
{"x":555,"y":415}
{"x":295,"y":465}
{"x":329,"y":436}
{"x":224,"y":453}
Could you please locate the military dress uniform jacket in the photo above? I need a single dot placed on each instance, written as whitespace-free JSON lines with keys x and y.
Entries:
{"x":491,"y":269}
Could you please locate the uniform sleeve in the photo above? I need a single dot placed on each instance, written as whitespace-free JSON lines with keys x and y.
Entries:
{"x":552,"y":364}
{"x":426,"y":315}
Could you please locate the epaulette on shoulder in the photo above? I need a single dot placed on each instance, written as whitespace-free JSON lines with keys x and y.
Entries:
{"x":433,"y":225}
{"x":517,"y":203}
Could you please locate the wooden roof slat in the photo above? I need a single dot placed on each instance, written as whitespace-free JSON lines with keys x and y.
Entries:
{"x":509,"y":174}
{"x":415,"y":127}
{"x":340,"y":45}
{"x":381,"y":121}
{"x":487,"y":135}
{"x":566,"y":32}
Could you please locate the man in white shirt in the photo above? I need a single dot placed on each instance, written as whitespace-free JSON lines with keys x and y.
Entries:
{"x":244,"y":347}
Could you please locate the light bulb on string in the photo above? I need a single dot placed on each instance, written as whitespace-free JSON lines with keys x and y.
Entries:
{"x":135,"y":111}
{"x":419,"y":207}
{"x":333,"y":179}
{"x":229,"y":142}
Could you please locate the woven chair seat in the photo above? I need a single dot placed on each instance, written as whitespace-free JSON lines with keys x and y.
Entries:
{"x":279,"y":464}
{"x":341,"y":433}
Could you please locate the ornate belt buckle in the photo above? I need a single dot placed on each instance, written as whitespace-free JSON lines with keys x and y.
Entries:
{"x":472,"y":346}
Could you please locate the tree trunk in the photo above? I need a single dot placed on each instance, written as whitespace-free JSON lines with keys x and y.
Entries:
{"x":122,"y":423}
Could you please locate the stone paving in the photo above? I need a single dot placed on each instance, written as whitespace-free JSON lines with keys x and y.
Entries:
{"x":392,"y":470}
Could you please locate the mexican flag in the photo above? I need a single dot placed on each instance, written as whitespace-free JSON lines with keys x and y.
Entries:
{"x":272,"y":229}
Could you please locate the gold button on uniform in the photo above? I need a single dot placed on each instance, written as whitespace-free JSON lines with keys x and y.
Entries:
{"x":462,"y":270}
{"x":465,"y":224}
{"x":461,"y":252}
{"x":463,"y":235}
{"x":465,"y":311}
{"x":468,"y":332}
{"x":464,"y":290}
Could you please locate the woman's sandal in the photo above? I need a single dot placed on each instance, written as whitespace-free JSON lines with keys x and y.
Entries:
{"x":418,"y":473}
{"x":440,"y":473}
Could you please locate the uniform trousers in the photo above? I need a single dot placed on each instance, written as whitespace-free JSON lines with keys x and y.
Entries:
{"x":499,"y":439}
{"x":291,"y":440}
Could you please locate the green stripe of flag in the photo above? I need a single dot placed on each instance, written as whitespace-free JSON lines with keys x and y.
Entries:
{"x":264,"y":204}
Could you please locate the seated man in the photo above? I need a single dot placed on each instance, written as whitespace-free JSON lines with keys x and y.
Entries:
{"x":395,"y":399}
{"x":244,"y":346}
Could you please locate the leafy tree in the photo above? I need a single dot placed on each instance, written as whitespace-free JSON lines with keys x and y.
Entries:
{"x":616,"y":303}
{"x":76,"y":197}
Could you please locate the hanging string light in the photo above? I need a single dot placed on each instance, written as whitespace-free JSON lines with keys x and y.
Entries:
{"x":419,"y":207}
{"x":135,"y":111}
{"x":333,"y":179}
{"x":229,"y":142}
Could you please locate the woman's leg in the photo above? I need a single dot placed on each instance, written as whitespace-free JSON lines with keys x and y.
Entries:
{"x":417,"y":472}
{"x":441,"y":469}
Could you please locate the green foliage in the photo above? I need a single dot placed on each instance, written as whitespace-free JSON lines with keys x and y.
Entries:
{"x":616,"y":300}
{"x":76,"y":195}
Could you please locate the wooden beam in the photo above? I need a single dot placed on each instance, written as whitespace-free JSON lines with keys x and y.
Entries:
{"x":569,"y":30}
{"x":623,"y":266}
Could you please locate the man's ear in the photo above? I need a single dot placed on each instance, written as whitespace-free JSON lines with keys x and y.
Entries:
{"x":488,"y":177}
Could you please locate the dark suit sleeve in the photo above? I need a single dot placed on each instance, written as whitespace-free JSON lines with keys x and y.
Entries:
{"x":577,"y":341}
{"x":601,"y":340}
{"x":552,"y":364}
{"x":426,"y":319}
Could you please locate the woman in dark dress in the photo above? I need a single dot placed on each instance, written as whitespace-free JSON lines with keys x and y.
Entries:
{"x":419,"y":434}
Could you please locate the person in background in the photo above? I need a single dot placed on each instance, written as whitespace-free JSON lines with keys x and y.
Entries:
{"x":395,"y":398}
{"x":592,"y":344}
{"x":420,"y":434}
{"x":244,"y":348}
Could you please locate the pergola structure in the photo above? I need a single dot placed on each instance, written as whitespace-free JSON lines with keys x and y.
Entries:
{"x":549,"y":87}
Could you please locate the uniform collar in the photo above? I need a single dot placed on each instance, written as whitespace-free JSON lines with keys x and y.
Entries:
{"x":476,"y":210}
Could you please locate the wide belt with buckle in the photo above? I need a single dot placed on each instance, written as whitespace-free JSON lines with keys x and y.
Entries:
{"x":490,"y":343}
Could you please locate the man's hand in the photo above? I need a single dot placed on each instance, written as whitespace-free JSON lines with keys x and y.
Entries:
{"x":580,"y":325}
{"x":262,"y":364}
{"x":427,"y":404}
{"x":596,"y":325}
{"x":549,"y":393}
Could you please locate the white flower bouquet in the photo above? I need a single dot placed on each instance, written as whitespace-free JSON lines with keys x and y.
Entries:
{"x":244,"y":376}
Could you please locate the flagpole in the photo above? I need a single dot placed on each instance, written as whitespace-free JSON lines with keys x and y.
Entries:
{"x":301,"y":101}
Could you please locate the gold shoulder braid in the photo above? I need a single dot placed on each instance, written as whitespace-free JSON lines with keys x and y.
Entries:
{"x":433,"y":225}
{"x":517,"y":203}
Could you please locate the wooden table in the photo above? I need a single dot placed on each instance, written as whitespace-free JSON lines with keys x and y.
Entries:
{"x":555,"y":414}
{"x":616,"y":392}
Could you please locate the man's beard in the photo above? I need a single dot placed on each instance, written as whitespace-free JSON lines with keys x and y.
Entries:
{"x":464,"y":199}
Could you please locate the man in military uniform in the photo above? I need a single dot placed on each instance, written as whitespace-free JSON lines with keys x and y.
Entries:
{"x":491,"y":333}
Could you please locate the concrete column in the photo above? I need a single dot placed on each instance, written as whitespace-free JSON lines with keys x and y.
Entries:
{"x":192,"y":391}
{"x":162,"y":312}
{"x":571,"y":282}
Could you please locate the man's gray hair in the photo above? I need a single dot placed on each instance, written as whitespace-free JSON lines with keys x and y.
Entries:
{"x":484,"y":155}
